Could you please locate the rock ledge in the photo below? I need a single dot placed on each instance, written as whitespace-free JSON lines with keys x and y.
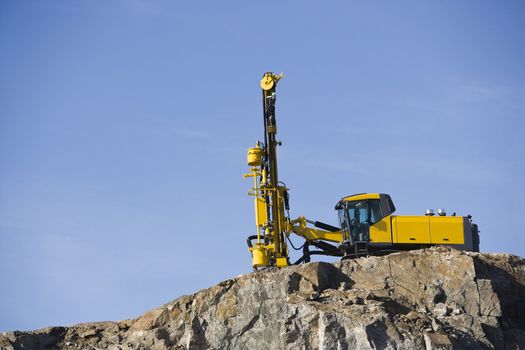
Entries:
{"x":426,"y":299}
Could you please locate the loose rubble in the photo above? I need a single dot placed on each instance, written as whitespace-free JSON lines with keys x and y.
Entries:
{"x":436,"y":298}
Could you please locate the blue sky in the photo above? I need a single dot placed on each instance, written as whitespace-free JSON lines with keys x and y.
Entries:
{"x":124,"y":127}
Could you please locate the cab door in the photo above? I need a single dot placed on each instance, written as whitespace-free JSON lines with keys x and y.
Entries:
{"x":381,"y":231}
{"x":367,"y":222}
{"x":358,"y":220}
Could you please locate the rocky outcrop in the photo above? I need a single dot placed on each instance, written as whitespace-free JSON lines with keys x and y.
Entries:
{"x":425,"y":299}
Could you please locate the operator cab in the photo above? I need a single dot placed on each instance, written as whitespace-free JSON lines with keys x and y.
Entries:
{"x":360,"y":211}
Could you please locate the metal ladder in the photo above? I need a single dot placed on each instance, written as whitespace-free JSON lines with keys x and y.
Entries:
{"x":361,"y":248}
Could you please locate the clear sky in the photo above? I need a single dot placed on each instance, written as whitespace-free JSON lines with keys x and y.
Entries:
{"x":124,"y":126}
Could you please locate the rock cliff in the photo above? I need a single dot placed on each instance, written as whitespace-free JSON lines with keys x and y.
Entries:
{"x":426,"y":299}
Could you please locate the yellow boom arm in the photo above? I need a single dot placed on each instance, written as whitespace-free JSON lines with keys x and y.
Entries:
{"x":298,"y":226}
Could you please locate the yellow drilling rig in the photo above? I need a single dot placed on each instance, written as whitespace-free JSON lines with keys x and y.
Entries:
{"x":367,"y":225}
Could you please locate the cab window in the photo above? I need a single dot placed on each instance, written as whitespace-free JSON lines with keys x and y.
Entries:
{"x":342,"y":219}
{"x":364,"y":212}
{"x":357,"y":212}
{"x":375,"y":211}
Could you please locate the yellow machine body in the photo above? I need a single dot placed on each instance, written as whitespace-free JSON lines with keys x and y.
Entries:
{"x":367,"y":224}
{"x":421,"y":230}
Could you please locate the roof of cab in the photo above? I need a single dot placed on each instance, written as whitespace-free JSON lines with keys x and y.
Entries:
{"x":360,"y":196}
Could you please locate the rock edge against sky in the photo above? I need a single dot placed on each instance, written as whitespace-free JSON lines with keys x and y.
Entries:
{"x":424,"y":299}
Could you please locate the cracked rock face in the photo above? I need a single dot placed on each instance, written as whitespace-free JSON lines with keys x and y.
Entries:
{"x":426,"y":299}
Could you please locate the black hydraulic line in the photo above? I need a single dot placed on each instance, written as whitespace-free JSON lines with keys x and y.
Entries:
{"x":250,"y":239}
{"x":306,"y":253}
{"x":301,"y":247}
{"x":326,"y":227}
{"x":300,"y":260}
{"x":306,"y":258}
{"x":286,"y":198}
{"x":332,"y":250}
{"x":325,"y":249}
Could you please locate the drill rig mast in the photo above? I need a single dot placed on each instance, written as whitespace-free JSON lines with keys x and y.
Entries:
{"x":271,"y":197}
{"x":272,"y":201}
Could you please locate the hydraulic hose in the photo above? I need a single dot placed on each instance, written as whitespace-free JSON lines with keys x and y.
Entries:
{"x":323,"y":226}
{"x":250,"y":239}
